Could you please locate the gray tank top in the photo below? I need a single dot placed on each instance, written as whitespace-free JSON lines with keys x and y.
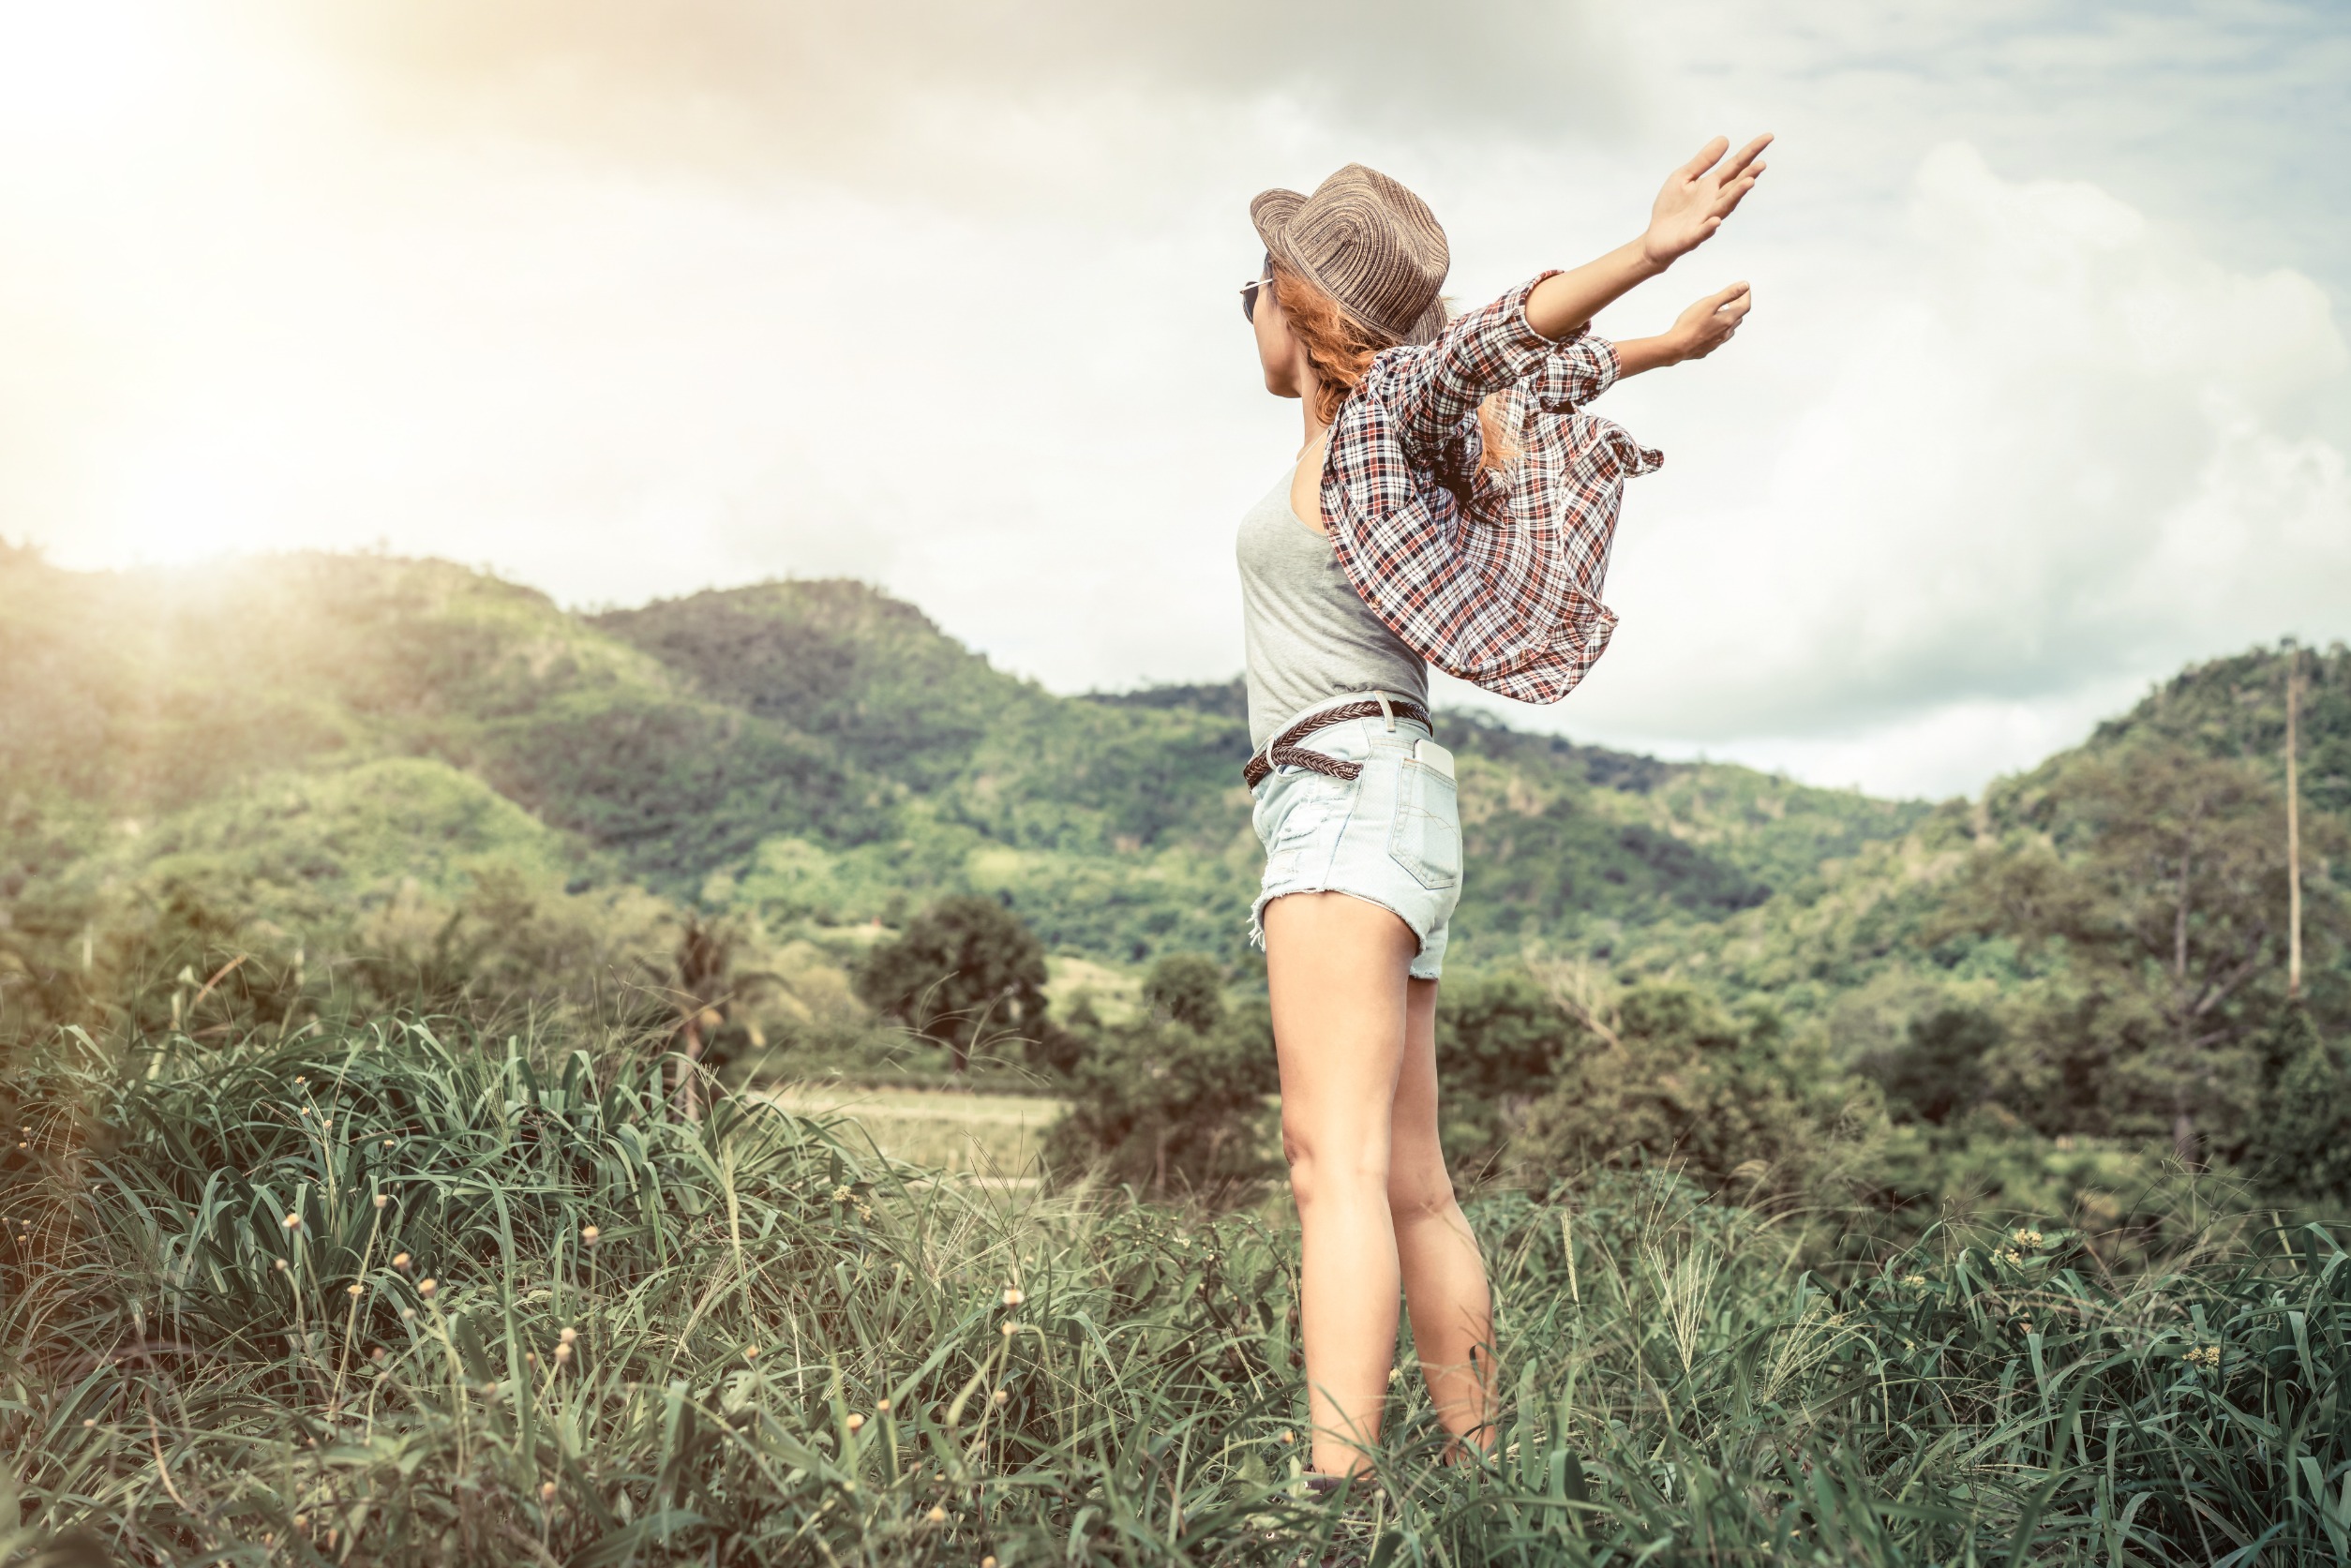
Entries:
{"x":1309,"y":633}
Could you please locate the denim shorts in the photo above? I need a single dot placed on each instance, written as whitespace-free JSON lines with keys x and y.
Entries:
{"x":1391,"y":835}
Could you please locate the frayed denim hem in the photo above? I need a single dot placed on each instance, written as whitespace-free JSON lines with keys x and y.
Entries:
{"x":1424,"y":965}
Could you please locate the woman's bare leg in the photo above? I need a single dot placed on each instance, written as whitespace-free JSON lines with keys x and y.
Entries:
{"x":1444,"y":1275}
{"x":1334,"y":967}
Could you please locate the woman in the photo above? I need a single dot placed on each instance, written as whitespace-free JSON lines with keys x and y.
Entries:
{"x":1451,"y":503}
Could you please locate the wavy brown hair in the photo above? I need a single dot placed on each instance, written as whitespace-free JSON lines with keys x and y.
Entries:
{"x":1340,"y":349}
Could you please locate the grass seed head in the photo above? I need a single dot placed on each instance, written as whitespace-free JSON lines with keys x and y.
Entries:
{"x":381,"y":1198}
{"x":855,"y":1421}
{"x":1012,"y":1296}
{"x":937,"y":1515}
{"x":1003,"y":1395}
{"x":546,"y":1491}
{"x":588,"y":1234}
{"x":881,"y":1405}
{"x":294,"y":1223}
{"x":568,"y":1334}
{"x":563,"y":1352}
{"x":399,"y":1261}
{"x":354,"y":1290}
{"x":428,"y":1286}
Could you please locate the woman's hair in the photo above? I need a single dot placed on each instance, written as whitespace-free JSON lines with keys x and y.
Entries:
{"x":1340,"y":351}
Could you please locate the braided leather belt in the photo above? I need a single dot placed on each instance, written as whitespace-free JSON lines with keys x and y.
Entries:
{"x":1283,"y":749}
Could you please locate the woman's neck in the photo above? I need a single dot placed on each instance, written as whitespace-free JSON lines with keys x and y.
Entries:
{"x":1310,"y":398}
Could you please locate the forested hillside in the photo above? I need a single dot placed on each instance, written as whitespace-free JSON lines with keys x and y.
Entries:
{"x":271,"y":788}
{"x":806,"y":751}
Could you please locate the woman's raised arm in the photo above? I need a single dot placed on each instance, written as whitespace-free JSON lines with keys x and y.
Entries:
{"x":1695,"y":199}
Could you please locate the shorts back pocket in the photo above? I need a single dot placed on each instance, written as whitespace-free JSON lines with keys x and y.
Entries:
{"x":1425,"y":839}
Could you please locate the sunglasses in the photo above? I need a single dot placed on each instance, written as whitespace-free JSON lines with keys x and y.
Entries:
{"x":1248,"y":293}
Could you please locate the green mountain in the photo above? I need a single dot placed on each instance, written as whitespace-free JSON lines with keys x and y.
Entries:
{"x":313,"y":742}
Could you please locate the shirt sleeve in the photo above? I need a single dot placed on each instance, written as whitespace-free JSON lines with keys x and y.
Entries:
{"x":1428,"y":390}
{"x":1579,"y":368}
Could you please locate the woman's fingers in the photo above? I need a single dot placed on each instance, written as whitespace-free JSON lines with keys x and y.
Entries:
{"x":1735,"y":193}
{"x":1746,"y":156}
{"x":1705,"y":158}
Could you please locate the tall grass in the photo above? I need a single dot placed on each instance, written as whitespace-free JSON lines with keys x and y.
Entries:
{"x":392,"y":1297}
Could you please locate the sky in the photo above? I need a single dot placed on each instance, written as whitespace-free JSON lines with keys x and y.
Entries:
{"x":2045,"y":393}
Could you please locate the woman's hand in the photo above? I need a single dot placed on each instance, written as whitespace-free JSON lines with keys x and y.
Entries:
{"x":1697,"y":197}
{"x":1708,"y":324}
{"x":1695,"y":333}
{"x":1693,"y":204}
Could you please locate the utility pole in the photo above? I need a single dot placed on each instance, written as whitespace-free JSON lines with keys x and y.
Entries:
{"x":2293,"y":825}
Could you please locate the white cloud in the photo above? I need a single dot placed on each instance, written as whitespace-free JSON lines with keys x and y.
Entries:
{"x":628,"y":308}
{"x":2040,"y":461}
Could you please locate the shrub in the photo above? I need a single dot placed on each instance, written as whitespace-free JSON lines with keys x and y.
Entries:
{"x":965,"y":971}
{"x":1186,"y":989}
{"x":2304,"y":1149}
{"x":1938,"y":1071}
{"x":1668,"y":1077}
{"x":1169,"y":1108}
{"x":1500,"y":1039}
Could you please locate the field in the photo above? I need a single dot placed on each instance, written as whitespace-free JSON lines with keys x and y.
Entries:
{"x":994,"y":1137}
{"x":383,"y":1296}
{"x":1863,"y":1181}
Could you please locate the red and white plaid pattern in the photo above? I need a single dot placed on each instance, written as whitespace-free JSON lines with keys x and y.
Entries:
{"x":1495,"y":579}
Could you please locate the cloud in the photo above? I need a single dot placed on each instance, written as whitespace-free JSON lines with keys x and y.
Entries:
{"x":631,"y":300}
{"x":2048,"y":452}
{"x":810,"y":80}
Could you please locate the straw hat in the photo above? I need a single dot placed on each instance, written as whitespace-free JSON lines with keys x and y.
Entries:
{"x":1366,"y":242}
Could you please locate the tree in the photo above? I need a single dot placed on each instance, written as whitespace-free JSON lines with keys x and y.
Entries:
{"x":1186,"y":989}
{"x":1168,"y":1106}
{"x":703,"y":992}
{"x":965,"y":971}
{"x":2304,"y":1147}
{"x":1665,"y":1076}
{"x":2159,"y":886}
{"x":1499,"y":1040}
{"x":1938,"y":1071}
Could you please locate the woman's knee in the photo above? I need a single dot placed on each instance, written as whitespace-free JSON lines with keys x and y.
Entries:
{"x":1418,"y":1189}
{"x":1320,"y":1164}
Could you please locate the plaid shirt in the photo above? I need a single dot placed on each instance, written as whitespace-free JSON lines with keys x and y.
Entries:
{"x":1493,"y":579}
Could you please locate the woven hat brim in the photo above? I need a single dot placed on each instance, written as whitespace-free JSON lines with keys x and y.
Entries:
{"x":1269,"y":212}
